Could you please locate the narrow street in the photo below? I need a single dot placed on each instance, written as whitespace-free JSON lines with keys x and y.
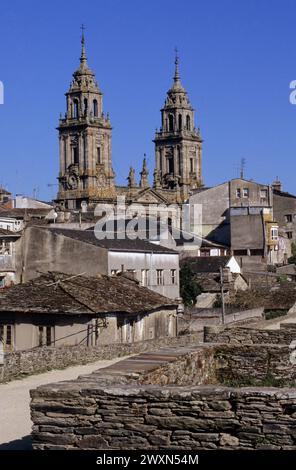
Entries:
{"x":15,"y":422}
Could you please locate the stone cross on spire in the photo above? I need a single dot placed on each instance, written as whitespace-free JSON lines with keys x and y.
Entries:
{"x":177,"y":72}
{"x":83,"y":53}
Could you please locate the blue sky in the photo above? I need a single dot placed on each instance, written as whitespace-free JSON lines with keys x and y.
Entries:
{"x":237,"y":61}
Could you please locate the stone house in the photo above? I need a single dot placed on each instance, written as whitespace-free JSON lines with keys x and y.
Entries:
{"x":57,"y":310}
{"x":16,"y":219}
{"x":239,"y":214}
{"x":284,"y":205}
{"x":9,"y":257}
{"x":80,"y":251}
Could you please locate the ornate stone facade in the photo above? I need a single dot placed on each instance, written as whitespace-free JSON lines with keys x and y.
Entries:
{"x":86,"y":173}
{"x":178,"y":144}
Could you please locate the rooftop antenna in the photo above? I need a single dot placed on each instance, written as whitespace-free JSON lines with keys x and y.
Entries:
{"x":242,"y":168}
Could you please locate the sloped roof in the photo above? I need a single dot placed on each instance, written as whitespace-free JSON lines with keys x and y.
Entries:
{"x":58,"y":293}
{"x":9,"y":233}
{"x":271,"y":298}
{"x":206,"y":264}
{"x":21,"y":213}
{"x":137,"y":245}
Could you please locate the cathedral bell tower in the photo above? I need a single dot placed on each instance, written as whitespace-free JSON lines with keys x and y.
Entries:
{"x":86,"y":172}
{"x":178,"y":144}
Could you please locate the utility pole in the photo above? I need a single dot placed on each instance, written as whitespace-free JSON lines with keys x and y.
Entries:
{"x":222,"y":295}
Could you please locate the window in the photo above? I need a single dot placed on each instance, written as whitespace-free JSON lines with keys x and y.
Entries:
{"x":171,"y":165}
{"x":238,"y":192}
{"x":274,"y":233}
{"x":85,"y":107}
{"x":95,"y":108}
{"x":263,"y":193}
{"x":289,"y":218}
{"x":159,"y":277}
{"x":180,"y":121}
{"x":188,"y":124}
{"x":76,"y":109}
{"x":75,"y":156}
{"x":99,"y":155}
{"x":290,"y":235}
{"x":174,"y":276}
{"x":191,"y":165}
{"x":171,"y":123}
{"x":145,"y":277}
{"x":45,"y":336}
{"x":6,"y":335}
{"x":5,"y":247}
{"x":246,"y":192}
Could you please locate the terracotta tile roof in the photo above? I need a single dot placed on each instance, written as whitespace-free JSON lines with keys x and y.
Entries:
{"x":58,"y":293}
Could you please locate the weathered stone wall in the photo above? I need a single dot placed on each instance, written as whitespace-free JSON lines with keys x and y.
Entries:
{"x":239,"y":335}
{"x":254,"y":365}
{"x":87,"y":415}
{"x":33,"y":361}
{"x":127,"y":406}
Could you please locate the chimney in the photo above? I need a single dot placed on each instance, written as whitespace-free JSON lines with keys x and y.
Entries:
{"x":277,"y":185}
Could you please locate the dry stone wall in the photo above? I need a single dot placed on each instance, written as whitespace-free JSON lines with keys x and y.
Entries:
{"x":21,"y":363}
{"x":239,"y":335}
{"x":127,"y":406}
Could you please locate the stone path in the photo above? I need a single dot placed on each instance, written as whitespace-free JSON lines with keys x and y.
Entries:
{"x":15,"y":422}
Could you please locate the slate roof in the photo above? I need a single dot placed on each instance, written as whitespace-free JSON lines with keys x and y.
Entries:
{"x":282,"y":297}
{"x":137,"y":245}
{"x":58,"y":293}
{"x":9,"y":233}
{"x":21,"y":213}
{"x":206,"y":264}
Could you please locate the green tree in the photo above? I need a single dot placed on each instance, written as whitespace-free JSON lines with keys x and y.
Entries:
{"x":189,"y":288}
{"x":292,"y":259}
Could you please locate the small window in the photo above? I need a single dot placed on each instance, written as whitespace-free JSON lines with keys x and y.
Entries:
{"x":263,"y":193}
{"x":238,"y":192}
{"x":171,"y":123}
{"x":75,"y":156}
{"x":48,"y":336}
{"x":45,"y":336}
{"x":76,"y":109}
{"x":95,"y":108}
{"x":290,"y":235}
{"x":85,"y":107}
{"x":159,"y":277}
{"x":289,"y":218}
{"x":274,"y":233}
{"x":99,"y":155}
{"x":6,"y":334}
{"x":246,"y":192}
{"x":180,"y":121}
{"x":145,"y":277}
{"x":188,"y":123}
{"x":174,"y":276}
{"x":191,"y":165}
